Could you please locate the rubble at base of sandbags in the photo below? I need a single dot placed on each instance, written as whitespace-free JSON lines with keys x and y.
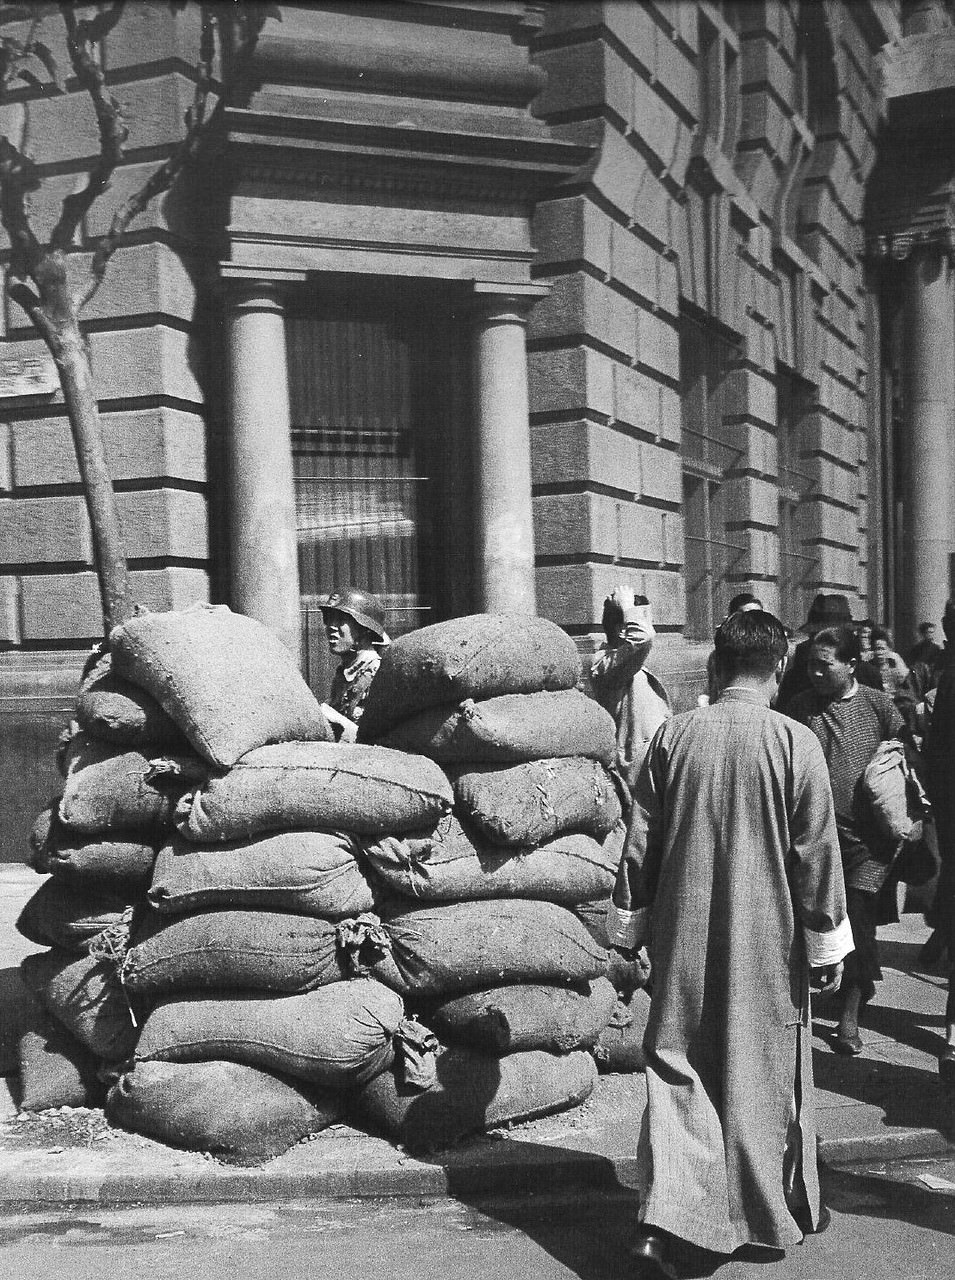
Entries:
{"x":255,"y":932}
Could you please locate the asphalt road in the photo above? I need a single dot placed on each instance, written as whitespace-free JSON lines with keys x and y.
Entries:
{"x":889,"y":1220}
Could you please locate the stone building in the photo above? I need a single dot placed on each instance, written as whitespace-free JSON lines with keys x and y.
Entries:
{"x":481,"y":304}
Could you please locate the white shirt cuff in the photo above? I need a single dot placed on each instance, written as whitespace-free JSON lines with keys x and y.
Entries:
{"x":824,"y":949}
{"x":627,"y":928}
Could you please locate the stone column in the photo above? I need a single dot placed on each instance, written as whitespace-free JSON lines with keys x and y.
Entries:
{"x":505,"y":532}
{"x":263,"y":527}
{"x":928,"y":507}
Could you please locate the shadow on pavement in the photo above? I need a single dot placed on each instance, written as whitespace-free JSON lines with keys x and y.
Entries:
{"x":868,"y":1196}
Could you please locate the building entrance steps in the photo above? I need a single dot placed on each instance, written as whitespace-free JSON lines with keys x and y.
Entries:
{"x":886,"y":1103}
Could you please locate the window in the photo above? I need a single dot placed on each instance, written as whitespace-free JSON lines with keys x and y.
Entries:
{"x":719,"y":76}
{"x":380,"y":442}
{"x":797,"y":567}
{"x":714,"y":554}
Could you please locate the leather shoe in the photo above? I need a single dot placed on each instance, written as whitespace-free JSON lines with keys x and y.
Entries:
{"x":649,"y":1253}
{"x":946,"y":1064}
{"x":848,"y":1046}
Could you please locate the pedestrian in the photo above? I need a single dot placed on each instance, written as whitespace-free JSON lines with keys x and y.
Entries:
{"x":850,"y":720}
{"x":825,"y":611}
{"x":926,"y":650}
{"x":938,"y":755}
{"x":355,"y":627}
{"x":621,"y":683}
{"x":731,"y":872}
{"x":892,"y":671}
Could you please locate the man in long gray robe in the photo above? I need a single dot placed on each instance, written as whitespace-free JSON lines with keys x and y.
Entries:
{"x":732,"y":874}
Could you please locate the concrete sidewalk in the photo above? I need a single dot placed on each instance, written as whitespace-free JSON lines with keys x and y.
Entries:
{"x":886,"y":1103}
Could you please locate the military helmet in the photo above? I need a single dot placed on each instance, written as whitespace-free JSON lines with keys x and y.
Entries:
{"x":360,"y":606}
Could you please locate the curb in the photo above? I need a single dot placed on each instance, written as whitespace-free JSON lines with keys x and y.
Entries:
{"x":507,"y":1172}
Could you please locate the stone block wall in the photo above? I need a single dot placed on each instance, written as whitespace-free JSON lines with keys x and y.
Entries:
{"x":745,"y":210}
{"x":148,"y":329}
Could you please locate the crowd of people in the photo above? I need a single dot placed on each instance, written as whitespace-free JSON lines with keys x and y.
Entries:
{"x":764,"y":848}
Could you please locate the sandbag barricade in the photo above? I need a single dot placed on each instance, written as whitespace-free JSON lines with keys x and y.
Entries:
{"x":226,"y":680}
{"x":308,"y":872}
{"x":479,"y":656}
{"x":56,"y":1070}
{"x":619,"y":1048}
{"x":183,"y":1104}
{"x":118,"y":712}
{"x":85,"y":995}
{"x":58,"y":915}
{"x":120,"y":863}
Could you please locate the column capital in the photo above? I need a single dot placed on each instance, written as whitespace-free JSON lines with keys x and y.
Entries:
{"x":255,"y":295}
{"x":505,"y":303}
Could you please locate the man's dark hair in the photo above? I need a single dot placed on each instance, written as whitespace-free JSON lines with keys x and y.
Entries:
{"x":749,"y":644}
{"x":925,"y":628}
{"x":843,"y":639}
{"x":880,"y":633}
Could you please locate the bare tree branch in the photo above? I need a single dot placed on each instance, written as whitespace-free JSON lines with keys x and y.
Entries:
{"x":82,"y":36}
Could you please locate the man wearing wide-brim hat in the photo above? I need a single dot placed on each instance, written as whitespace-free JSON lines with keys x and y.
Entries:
{"x":826,"y":611}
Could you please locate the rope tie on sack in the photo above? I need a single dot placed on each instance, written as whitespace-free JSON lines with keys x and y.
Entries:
{"x":416,"y":1048}
{"x":364,"y":941}
{"x":111,"y":947}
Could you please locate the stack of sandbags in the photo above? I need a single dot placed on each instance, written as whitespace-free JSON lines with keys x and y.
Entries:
{"x":177,"y":695}
{"x":481,"y":938}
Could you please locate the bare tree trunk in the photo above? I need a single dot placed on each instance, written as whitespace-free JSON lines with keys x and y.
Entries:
{"x":60,"y":326}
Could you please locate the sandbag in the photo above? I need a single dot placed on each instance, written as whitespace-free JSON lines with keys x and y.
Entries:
{"x":84,"y":994}
{"x":474,"y":1092}
{"x":227,"y":681}
{"x":464,"y":946}
{"x":336,"y":1036}
{"x":480,"y":656}
{"x":232,"y":950}
{"x":237,"y":1113}
{"x":509,"y":730}
{"x":626,"y":976}
{"x":310,"y":872}
{"x":61,"y":915}
{"x":55,"y":1069}
{"x":116,"y":865}
{"x":452,"y":863}
{"x":619,"y":1048}
{"x":120,"y":713}
{"x":528,"y":804}
{"x":108,"y":791}
{"x":528,"y":1016}
{"x":338,"y":786}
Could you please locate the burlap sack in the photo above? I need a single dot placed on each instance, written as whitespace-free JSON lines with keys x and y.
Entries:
{"x":528,"y":804}
{"x":473,"y":1093}
{"x":237,"y":1113}
{"x":619,"y":1048}
{"x":55,"y":1069}
{"x":108,"y":792}
{"x":232,"y":950}
{"x":64,"y":916}
{"x":509,"y":730}
{"x":336,"y":1036}
{"x":512,"y":1019}
{"x":309,"y":785}
{"x":115,"y":865}
{"x":313,"y":873}
{"x":466,"y":946}
{"x":452,"y":863}
{"x":480,"y":656}
{"x":227,"y":681}
{"x":120,"y":713}
{"x":84,"y":994}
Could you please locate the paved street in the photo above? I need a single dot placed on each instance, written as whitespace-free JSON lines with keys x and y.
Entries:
{"x":889,"y":1220}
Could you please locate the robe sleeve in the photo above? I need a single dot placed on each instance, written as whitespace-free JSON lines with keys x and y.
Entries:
{"x":620,"y":664}
{"x":818,"y":885}
{"x":629,"y":910}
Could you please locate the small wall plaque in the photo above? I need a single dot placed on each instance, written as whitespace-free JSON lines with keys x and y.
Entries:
{"x":27,"y":376}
